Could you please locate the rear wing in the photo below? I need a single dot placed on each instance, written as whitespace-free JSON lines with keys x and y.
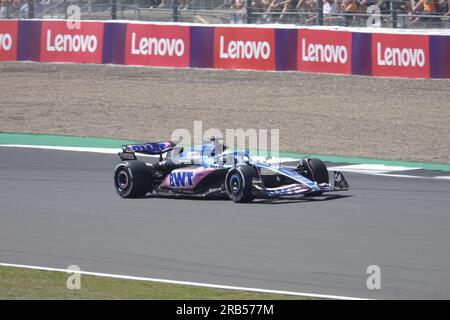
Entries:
{"x":150,"y":148}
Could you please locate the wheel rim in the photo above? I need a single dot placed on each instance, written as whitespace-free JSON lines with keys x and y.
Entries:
{"x":235,"y":184}
{"x":122,"y":179}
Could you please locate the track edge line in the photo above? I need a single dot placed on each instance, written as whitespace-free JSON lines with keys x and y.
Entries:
{"x":179,"y":282}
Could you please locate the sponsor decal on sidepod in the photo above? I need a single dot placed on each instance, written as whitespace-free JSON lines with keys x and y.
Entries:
{"x":181,"y":178}
{"x":186,"y":178}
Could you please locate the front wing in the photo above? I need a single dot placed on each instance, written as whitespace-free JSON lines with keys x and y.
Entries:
{"x":296,"y":189}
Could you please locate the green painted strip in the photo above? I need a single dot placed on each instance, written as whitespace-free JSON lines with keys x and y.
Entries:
{"x":59,"y":140}
{"x":73,"y":141}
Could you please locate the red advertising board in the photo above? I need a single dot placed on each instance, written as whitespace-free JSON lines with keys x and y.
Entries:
{"x":69,"y":41}
{"x":157,"y":45}
{"x":8,"y":40}
{"x":244,"y":48}
{"x":324,"y":51}
{"x":400,"y":55}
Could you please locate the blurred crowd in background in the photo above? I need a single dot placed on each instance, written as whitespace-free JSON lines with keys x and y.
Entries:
{"x":305,"y":12}
{"x":351,"y":12}
{"x":13,"y":9}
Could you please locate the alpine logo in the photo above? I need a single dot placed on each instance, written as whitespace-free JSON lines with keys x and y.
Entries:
{"x":156,"y":46}
{"x":324,"y":53}
{"x":181,"y":178}
{"x":71,"y":43}
{"x":5,"y":42}
{"x":405,"y":57}
{"x":244,"y":49}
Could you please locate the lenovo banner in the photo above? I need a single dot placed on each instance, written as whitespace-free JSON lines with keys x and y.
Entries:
{"x":157,"y":45}
{"x":400,"y":55}
{"x":62,"y":41}
{"x":324,"y":51}
{"x":244,"y":48}
{"x":8,"y":40}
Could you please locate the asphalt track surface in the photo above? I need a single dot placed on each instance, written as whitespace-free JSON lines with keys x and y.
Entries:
{"x":59,"y":208}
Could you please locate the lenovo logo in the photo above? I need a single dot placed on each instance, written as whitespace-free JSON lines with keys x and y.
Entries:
{"x":405,"y":57}
{"x":71,"y":43}
{"x":156,"y":46}
{"x":244,"y":49}
{"x":312,"y":52}
{"x":5,"y":42}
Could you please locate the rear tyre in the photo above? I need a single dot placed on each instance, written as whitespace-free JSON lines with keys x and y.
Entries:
{"x":132,"y":179}
{"x":238,"y":183}
{"x":315,"y":170}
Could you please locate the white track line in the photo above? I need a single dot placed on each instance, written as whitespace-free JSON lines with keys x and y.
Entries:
{"x":443,"y":177}
{"x":78,"y":149}
{"x":188,"y":283}
{"x":116,"y":150}
{"x":372,"y":168}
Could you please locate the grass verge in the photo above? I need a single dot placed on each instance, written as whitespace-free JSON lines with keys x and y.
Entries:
{"x":18,"y":283}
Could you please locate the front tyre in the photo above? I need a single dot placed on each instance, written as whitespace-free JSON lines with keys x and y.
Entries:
{"x":132,"y":179}
{"x":238,"y":183}
{"x":315,"y":170}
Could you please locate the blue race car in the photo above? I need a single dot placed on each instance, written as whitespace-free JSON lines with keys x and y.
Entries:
{"x":209,"y":170}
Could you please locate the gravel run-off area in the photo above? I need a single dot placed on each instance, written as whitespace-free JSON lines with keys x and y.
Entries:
{"x":386,"y":118}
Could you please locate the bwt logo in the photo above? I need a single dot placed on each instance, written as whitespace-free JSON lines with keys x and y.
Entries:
{"x":181,"y":179}
{"x":324,"y":53}
{"x":244,"y":49}
{"x":405,"y":57}
{"x":71,"y":43}
{"x":5,"y":41}
{"x":156,"y":46}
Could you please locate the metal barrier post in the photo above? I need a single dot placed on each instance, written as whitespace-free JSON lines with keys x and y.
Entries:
{"x":394,"y":14}
{"x":175,"y":11}
{"x":30,"y":9}
{"x":114,"y":10}
{"x":7,"y":9}
{"x":65,"y":6}
{"x":320,"y":12}
{"x":249,"y":12}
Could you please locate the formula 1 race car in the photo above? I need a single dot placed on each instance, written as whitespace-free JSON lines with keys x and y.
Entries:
{"x":209,"y":170}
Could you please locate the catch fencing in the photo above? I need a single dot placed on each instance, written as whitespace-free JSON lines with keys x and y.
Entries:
{"x":356,"y":13}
